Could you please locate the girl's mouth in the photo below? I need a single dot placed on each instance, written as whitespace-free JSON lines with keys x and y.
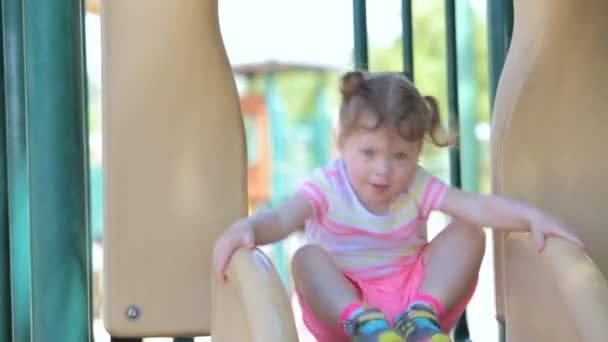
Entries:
{"x":380,"y":187}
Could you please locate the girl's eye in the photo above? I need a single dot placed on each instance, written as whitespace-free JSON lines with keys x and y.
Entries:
{"x":368,"y":153}
{"x":400,"y":156}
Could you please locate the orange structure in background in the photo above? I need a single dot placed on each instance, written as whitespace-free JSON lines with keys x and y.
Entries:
{"x":259,"y":152}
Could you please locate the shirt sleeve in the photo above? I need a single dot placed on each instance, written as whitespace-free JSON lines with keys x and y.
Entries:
{"x":317,"y":189}
{"x":427,"y":191}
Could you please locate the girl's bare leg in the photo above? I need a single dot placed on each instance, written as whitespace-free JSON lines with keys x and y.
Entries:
{"x":452,"y":261}
{"x":319,"y":281}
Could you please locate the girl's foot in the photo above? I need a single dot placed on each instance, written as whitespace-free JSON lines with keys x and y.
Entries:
{"x":371,"y":326}
{"x":420,"y":324}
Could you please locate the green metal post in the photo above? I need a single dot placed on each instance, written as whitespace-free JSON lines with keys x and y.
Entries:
{"x":322,"y":123}
{"x":56,"y":140}
{"x":452,"y":70}
{"x":500,"y":29}
{"x":408,"y":41}
{"x":360,"y":22}
{"x":461,"y":331}
{"x":467,"y":95}
{"x":5,"y":280}
{"x":278,"y":125}
{"x":18,"y":193}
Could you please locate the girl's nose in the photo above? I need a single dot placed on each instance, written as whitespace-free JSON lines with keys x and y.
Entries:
{"x":383,"y":167}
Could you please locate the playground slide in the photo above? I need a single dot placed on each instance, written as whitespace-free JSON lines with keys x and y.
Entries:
{"x":548,"y":148}
{"x":174,"y":178}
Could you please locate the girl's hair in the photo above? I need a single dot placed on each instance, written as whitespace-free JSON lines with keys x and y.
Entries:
{"x":396,"y":104}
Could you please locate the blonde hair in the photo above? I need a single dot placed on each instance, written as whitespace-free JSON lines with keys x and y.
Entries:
{"x":396,"y":104}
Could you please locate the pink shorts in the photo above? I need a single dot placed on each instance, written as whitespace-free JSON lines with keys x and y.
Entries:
{"x":392,"y":294}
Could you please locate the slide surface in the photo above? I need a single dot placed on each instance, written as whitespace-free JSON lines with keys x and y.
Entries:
{"x":548,"y":148}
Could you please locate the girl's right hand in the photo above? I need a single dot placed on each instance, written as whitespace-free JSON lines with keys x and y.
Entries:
{"x":240,"y":234}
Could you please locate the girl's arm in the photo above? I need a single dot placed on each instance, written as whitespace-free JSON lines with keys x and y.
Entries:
{"x":276,"y":224}
{"x":488,"y":210}
{"x":260,"y":229}
{"x":503,"y":213}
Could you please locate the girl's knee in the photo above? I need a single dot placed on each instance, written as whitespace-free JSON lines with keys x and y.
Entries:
{"x":307,"y":255}
{"x":469,"y":232}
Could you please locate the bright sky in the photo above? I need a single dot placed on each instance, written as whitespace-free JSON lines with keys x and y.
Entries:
{"x":314,"y":31}
{"x":306,"y":31}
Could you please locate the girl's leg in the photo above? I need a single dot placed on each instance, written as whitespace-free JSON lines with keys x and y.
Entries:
{"x":332,"y":299}
{"x":451,"y":266}
{"x":452,"y":262}
{"x":321,"y":284}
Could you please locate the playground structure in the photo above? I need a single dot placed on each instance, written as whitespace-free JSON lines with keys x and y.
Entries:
{"x":549,"y":119}
{"x":175,"y":171}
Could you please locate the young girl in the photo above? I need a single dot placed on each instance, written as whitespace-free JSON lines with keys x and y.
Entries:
{"x":368,"y":272}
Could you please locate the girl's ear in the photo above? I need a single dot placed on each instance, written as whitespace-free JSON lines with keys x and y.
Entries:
{"x":334,"y":133}
{"x":339,"y":139}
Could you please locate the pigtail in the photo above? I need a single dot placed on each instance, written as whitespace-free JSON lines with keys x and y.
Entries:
{"x":351,"y":84}
{"x":439,"y":135}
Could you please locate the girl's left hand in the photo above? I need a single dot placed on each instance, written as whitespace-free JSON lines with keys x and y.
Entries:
{"x":544,"y":225}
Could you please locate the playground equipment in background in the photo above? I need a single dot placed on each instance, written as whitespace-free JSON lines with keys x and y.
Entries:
{"x":255,"y":117}
{"x":273,"y":146}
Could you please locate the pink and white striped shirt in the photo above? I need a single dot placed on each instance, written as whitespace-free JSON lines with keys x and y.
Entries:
{"x":365,"y":245}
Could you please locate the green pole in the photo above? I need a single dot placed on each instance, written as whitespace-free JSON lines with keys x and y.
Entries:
{"x":407,"y":37}
{"x":360,"y":22}
{"x":469,"y":148}
{"x":322,"y":123}
{"x":56,"y":140}
{"x":278,"y":126}
{"x":452,"y":70}
{"x":5,"y":281}
{"x":500,"y":29}
{"x":461,"y":330}
{"x":18,"y":193}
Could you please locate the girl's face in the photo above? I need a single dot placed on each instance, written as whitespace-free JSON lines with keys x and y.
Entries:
{"x":379,"y":163}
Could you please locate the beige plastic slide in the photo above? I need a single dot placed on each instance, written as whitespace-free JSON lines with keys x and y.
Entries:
{"x":549,"y":149}
{"x":174,"y":178}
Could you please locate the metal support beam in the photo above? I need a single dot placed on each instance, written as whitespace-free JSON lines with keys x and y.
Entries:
{"x":500,"y":29}
{"x":407,"y":38}
{"x":278,"y":128}
{"x":360,"y":22}
{"x":452,"y":71}
{"x":467,"y":96}
{"x":18,"y":197}
{"x":5,"y":280}
{"x":461,"y":331}
{"x":56,"y":148}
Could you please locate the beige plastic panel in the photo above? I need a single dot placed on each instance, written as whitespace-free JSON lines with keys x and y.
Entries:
{"x":175,"y":177}
{"x":254,"y":307}
{"x":548,"y":145}
{"x":558,"y":295}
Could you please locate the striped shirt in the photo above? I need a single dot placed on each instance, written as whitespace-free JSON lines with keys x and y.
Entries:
{"x":365,"y":245}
